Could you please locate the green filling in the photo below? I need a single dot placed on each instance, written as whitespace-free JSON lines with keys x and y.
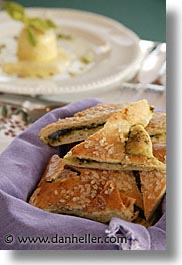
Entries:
{"x":57,"y":135}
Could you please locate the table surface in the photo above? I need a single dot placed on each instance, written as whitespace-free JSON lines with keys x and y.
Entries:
{"x":145,"y":17}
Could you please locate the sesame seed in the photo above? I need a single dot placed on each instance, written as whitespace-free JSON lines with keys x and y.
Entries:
{"x":56,"y":192}
{"x":93,"y":182}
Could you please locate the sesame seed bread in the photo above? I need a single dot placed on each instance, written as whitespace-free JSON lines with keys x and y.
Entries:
{"x":94,"y":194}
{"x":118,"y":171}
{"x":159,"y":151}
{"x":122,"y":144}
{"x":85,"y":123}
{"x":100,"y":194}
{"x":153,"y":188}
{"x":153,"y":184}
{"x":157,"y":127}
{"x":78,"y":127}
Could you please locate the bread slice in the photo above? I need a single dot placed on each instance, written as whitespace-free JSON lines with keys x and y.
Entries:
{"x":94,"y":194}
{"x":159,"y":151}
{"x":153,"y":187}
{"x":122,"y":144}
{"x":79,"y":127}
{"x":87,"y":122}
{"x":157,"y":128}
{"x":126,"y":183}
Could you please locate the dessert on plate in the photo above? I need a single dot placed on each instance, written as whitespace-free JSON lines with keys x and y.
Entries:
{"x":38,"y":54}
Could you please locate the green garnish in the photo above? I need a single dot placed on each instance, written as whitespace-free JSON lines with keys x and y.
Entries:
{"x":41,"y":24}
{"x":2,"y":46}
{"x":64,"y":36}
{"x":85,"y":59}
{"x":17,"y":12}
{"x":73,"y":74}
{"x":4,"y":111}
{"x":31,"y":36}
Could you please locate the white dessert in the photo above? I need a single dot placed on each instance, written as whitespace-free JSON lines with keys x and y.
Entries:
{"x":37,"y":52}
{"x":45,"y":50}
{"x":41,"y":60}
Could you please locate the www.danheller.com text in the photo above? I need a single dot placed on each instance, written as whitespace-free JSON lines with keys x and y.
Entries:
{"x":58,"y":239}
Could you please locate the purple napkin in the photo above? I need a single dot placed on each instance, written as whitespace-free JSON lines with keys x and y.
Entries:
{"x":23,"y":226}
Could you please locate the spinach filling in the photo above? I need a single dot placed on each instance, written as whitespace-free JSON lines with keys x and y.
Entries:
{"x":56,"y":135}
{"x":137,"y":179}
{"x":83,"y":160}
{"x":157,"y":136}
{"x":87,"y":160}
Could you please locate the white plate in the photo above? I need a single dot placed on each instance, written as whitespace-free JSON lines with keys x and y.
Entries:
{"x":116,"y":48}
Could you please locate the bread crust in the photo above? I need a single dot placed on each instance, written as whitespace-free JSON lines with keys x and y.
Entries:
{"x":107,"y":148}
{"x":88,"y":121}
{"x":98,"y":194}
{"x":159,"y":151}
{"x":157,"y":128}
{"x":85,"y":123}
{"x":95,"y":194}
{"x":117,"y":170}
{"x":153,"y":187}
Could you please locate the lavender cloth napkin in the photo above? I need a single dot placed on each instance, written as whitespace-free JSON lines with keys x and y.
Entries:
{"x":21,"y":166}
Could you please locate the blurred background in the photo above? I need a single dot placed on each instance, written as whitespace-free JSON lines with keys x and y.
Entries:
{"x":147,"y":18}
{"x":127,"y":66}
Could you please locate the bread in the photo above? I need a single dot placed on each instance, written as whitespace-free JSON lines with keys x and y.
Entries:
{"x":122,"y":144}
{"x":117,"y":172}
{"x":99,"y":195}
{"x":153,"y":184}
{"x":85,"y":123}
{"x":79,"y":127}
{"x":92,"y":194}
{"x":159,"y":151}
{"x":153,"y":188}
{"x":157,"y":128}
